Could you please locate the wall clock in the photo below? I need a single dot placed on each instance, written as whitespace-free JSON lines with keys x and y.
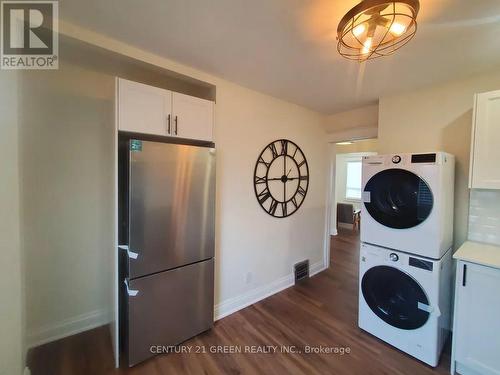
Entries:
{"x":281,"y":178}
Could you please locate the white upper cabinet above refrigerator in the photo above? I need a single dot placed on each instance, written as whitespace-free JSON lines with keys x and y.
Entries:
{"x":152,"y":110}
{"x":193,"y":117}
{"x":485,"y":148}
{"x":143,"y":108}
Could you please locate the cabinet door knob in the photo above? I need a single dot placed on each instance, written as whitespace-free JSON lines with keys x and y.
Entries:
{"x":176,"y":122}
{"x":168,"y":124}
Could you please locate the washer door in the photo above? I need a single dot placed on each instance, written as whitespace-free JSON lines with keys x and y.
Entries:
{"x":394,"y":297}
{"x":398,"y":198}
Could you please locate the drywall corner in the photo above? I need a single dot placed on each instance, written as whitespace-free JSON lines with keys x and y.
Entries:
{"x":11,"y":308}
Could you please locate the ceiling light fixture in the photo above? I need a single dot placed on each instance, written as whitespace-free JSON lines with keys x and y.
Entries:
{"x":344,"y":143}
{"x":376,"y":28}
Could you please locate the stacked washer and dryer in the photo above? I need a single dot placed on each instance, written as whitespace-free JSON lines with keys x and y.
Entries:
{"x":405,"y":256}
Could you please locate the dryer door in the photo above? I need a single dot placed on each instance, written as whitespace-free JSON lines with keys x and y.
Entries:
{"x":398,"y":198}
{"x":395,"y":297}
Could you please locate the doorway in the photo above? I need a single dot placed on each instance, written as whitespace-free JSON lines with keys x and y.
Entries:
{"x":346,"y":186}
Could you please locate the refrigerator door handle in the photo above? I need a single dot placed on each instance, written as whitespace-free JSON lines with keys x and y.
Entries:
{"x":130,"y":292}
{"x":130,"y":254}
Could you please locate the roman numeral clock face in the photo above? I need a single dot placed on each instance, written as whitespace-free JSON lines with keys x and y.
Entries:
{"x":281,"y":178}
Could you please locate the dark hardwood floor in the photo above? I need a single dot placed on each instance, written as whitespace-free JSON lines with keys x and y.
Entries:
{"x":321,"y":311}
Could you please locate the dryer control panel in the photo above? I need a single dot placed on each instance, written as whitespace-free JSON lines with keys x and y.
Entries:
{"x":423,"y":158}
{"x":406,"y":159}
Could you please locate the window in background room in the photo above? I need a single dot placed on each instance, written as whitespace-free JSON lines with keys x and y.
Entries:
{"x":353,"y":181}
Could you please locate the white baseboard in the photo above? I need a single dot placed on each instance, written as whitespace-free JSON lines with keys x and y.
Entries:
{"x":345,"y":225}
{"x":94,"y":319}
{"x":234,"y":304}
{"x":68,"y":327}
{"x":317,"y":268}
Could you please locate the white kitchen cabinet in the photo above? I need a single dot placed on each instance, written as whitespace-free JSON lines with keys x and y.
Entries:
{"x":152,"y":110}
{"x":485,"y":147}
{"x":192,"y":117}
{"x":476,"y":330}
{"x":143,"y":108}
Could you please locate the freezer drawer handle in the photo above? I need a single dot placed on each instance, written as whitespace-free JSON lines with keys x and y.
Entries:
{"x":130,"y":254}
{"x":130,"y":292}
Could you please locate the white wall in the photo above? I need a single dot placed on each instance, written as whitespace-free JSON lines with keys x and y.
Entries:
{"x":66,"y":141}
{"x":432,"y":119}
{"x":254,"y":250}
{"x":68,"y":193}
{"x":11,"y":326}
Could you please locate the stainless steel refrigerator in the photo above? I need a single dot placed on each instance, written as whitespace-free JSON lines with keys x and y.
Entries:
{"x":167,"y":213}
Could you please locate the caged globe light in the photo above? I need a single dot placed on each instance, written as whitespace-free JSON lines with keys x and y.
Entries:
{"x":376,"y":28}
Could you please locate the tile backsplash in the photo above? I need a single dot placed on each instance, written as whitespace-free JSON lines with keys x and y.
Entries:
{"x":484,"y":216}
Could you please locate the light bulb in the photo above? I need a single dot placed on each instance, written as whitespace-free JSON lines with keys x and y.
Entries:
{"x":397,"y":28}
{"x":366,"y":46}
{"x":358,"y":30}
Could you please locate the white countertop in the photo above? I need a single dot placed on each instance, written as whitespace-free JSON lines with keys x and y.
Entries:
{"x":480,"y":253}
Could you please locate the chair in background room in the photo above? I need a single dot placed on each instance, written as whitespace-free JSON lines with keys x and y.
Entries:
{"x":348,"y":215}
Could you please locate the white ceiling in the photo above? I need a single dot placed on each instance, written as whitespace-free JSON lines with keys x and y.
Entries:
{"x":287,"y":48}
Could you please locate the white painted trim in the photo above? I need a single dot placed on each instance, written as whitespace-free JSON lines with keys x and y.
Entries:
{"x":331,"y":211}
{"x":234,"y":304}
{"x":473,"y":140}
{"x":115,"y":323}
{"x":334,"y":233}
{"x":237,"y":303}
{"x":330,"y":197}
{"x":317,"y":268}
{"x":353,"y":134}
{"x":345,"y":225}
{"x":68,"y":327}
